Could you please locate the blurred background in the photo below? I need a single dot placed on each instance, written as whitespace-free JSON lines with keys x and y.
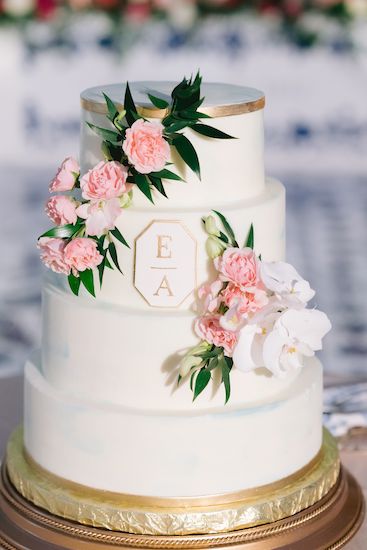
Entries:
{"x":310,"y":58}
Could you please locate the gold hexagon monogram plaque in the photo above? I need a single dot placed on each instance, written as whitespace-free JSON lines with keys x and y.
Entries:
{"x":165,"y":263}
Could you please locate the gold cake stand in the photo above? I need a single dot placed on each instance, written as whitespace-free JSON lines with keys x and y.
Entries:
{"x":319,"y":507}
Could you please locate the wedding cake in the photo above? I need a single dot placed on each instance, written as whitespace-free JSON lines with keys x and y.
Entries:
{"x":178,"y":350}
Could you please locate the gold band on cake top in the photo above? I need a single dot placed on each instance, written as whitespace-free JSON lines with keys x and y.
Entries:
{"x":147,"y":515}
{"x":214,"y":111}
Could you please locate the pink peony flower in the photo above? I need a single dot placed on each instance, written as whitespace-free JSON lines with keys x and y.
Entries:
{"x":208,"y":328}
{"x":106,"y":180}
{"x":66,"y":176}
{"x":61,"y":209}
{"x":245,"y":302}
{"x":52,"y":254}
{"x":239,"y":266}
{"x":145,"y":146}
{"x":81,"y":254}
{"x":100,"y":216}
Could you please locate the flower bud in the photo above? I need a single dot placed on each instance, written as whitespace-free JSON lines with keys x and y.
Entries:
{"x":214,"y":247}
{"x":125,"y":200}
{"x":119,"y":119}
{"x":211,"y":226}
{"x":187,"y":363}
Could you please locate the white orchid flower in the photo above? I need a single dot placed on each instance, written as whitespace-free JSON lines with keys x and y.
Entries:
{"x":296,"y":333}
{"x":243,"y":355}
{"x":279,"y":341}
{"x":248,"y":353}
{"x":286,"y":283}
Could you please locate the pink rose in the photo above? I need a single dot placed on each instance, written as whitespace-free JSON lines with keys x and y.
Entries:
{"x":145,"y":146}
{"x":106,"y":180}
{"x":245,"y":302}
{"x":61,"y":209}
{"x":239,"y":266}
{"x":81,"y":254}
{"x":208,"y":328}
{"x":52,"y":254}
{"x":100,"y":216}
{"x":66,"y":176}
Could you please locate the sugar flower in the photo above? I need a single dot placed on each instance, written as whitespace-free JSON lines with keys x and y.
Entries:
{"x":282,"y":341}
{"x":209,"y":294}
{"x":100,"y":216}
{"x":239,"y":266}
{"x":106,"y":180}
{"x":52,"y":254}
{"x":214,"y":247}
{"x":81,"y":254}
{"x":66,"y":176}
{"x":289,"y":287}
{"x":145,"y":146}
{"x":209,"y":329}
{"x":61,"y":209}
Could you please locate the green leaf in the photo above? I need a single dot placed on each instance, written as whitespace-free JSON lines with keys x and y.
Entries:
{"x":175,"y":126}
{"x":143,"y":183}
{"x":213,"y":363}
{"x":101,"y":267}
{"x":87,"y":280}
{"x":192,"y":115}
{"x":187,"y":152}
{"x":157,"y":183}
{"x":211,"y":132}
{"x":107,"y":263}
{"x":113,"y":254}
{"x":250,"y":237}
{"x":179,"y":378}
{"x":116,"y":233}
{"x":209,"y":354}
{"x":225,"y":378}
{"x":112,"y":151}
{"x":108,"y":135}
{"x":63,"y":231}
{"x":201,"y":382}
{"x":129,"y":106}
{"x":227,"y":228}
{"x":223,"y":237}
{"x":74,"y":283}
{"x":158,"y":102}
{"x":111,"y":107}
{"x":166,"y":174}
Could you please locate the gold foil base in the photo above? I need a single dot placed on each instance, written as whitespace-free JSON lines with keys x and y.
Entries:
{"x":149,"y":516}
{"x":327,"y":525}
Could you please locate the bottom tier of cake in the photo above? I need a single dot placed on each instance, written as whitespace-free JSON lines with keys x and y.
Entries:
{"x":172,"y":453}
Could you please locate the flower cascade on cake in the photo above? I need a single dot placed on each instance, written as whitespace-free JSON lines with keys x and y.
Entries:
{"x":254,"y":314}
{"x":136,"y":155}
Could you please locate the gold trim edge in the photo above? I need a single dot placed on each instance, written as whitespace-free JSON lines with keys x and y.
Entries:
{"x":152,"y":112}
{"x":268,"y":507}
{"x":340,"y":493}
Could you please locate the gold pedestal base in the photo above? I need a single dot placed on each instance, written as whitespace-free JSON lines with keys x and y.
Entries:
{"x":328,"y":524}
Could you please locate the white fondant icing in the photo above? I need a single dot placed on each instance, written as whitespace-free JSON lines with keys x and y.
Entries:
{"x":266,"y":212}
{"x":163,"y":453}
{"x":231,"y":169}
{"x":117,"y":355}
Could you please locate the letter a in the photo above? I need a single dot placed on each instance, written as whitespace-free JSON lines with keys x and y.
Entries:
{"x":164,"y":286}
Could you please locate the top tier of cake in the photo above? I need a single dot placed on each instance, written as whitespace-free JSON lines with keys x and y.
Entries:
{"x":232,"y":170}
